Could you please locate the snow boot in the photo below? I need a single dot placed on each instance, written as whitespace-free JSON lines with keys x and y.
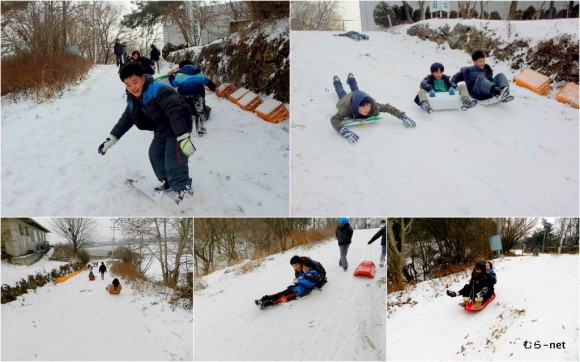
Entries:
{"x":186,"y":192}
{"x":451,"y":294}
{"x":505,"y":96}
{"x":201,"y":131}
{"x":465,"y":302}
{"x":345,"y":269}
{"x":477,"y":305}
{"x":163,"y":187}
{"x":467,"y":103}
{"x":382,"y":263}
{"x":336,"y":79}
{"x":426,"y":107}
{"x":495,"y":91}
{"x":350,"y":75}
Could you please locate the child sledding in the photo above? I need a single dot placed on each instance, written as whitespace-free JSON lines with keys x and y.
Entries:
{"x":309,"y":274}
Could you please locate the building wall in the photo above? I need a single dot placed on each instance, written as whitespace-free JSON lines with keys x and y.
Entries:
{"x":215,"y":30}
{"x":24,"y":237}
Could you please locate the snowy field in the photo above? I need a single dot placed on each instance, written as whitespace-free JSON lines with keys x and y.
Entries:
{"x":491,"y":160}
{"x":536,"y":300}
{"x":240,"y":167}
{"x":78,"y":320}
{"x":346,"y":321}
{"x":10,"y":274}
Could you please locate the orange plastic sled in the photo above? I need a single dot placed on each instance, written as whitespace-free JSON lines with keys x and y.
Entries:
{"x":534,"y":81}
{"x":66,"y":277}
{"x":237,"y":95}
{"x":569,"y":94}
{"x":365,"y":269}
{"x":273,"y":111}
{"x":250,"y":101}
{"x":225,"y":90}
{"x":483,"y":305}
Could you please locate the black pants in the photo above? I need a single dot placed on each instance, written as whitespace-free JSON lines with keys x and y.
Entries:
{"x":197,"y":106}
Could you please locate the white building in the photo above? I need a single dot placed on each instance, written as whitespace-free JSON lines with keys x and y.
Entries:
{"x":216,"y":28}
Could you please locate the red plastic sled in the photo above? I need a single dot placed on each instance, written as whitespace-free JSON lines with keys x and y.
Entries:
{"x":365,"y":269}
{"x":483,"y":305}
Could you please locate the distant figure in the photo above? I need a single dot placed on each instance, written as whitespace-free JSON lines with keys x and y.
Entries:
{"x":115,"y":287}
{"x":382,"y":233}
{"x":355,"y":35}
{"x":125,"y":57}
{"x":344,"y":236}
{"x":155,"y":54}
{"x":102,"y":270}
{"x":91,"y":275}
{"x":118,"y":50}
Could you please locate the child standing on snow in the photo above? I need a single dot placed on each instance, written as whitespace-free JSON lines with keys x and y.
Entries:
{"x":190,"y":83}
{"x":437,"y":82}
{"x":153,"y":106}
{"x":344,"y":236}
{"x":480,"y":81}
{"x":357,"y":105}
{"x":382,"y":233}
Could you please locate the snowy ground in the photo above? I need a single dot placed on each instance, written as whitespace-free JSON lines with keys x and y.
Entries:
{"x":240,"y":167}
{"x":78,"y":320}
{"x":346,"y":321}
{"x":10,"y":274}
{"x":487,"y":161}
{"x":536,"y":300}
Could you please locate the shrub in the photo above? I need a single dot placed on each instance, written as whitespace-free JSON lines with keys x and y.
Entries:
{"x":63,"y":252}
{"x":127,"y":271}
{"x":41,"y":76}
{"x":494,"y":15}
{"x":83,"y":256}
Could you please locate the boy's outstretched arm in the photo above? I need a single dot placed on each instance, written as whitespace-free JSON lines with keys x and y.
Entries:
{"x":123,"y":125}
{"x":457,"y":77}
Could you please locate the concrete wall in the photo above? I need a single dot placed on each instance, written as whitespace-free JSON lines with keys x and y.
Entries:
{"x":27,"y":259}
{"x":19,"y":244}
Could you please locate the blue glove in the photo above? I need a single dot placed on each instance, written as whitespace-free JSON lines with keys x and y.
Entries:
{"x":451,"y":91}
{"x":350,"y":136}
{"x":409,"y":123}
{"x":432,"y":93}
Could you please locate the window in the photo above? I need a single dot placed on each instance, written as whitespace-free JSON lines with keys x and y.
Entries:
{"x":21,"y":229}
{"x":27,"y":231}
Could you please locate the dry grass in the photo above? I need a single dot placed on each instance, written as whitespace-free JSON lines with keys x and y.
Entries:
{"x":127,"y":271}
{"x":248,"y":266}
{"x":41,"y":77}
{"x":307,"y":237}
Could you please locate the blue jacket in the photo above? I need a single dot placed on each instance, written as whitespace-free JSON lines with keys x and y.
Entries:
{"x":470,"y":74}
{"x":305,"y":282}
{"x":159,"y":109}
{"x":190,"y":81}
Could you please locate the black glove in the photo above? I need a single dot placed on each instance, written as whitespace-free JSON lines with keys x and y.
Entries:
{"x":369,"y":242}
{"x":482,"y":292}
{"x":451,"y":294}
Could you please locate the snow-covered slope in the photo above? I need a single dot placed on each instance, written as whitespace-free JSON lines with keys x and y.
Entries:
{"x":346,"y":321}
{"x":11,"y":274}
{"x":536,"y":300}
{"x":50,"y":164}
{"x":78,"y":320}
{"x":491,"y":160}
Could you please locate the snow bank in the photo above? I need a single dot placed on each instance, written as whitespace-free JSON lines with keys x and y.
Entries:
{"x":10,"y":273}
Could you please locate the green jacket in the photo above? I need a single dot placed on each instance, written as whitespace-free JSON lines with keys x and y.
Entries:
{"x":345,"y":110}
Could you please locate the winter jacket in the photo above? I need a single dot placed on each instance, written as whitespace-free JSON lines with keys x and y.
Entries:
{"x":155,"y":54}
{"x":160,"y":109}
{"x":320,"y":279}
{"x":492,"y":275}
{"x":470,"y":74}
{"x":383,"y":234}
{"x":125,"y":55}
{"x":344,"y":233}
{"x":112,"y":290}
{"x":147,"y":64}
{"x":190,"y":81}
{"x":476,"y":284}
{"x":91,"y":275}
{"x":102,"y":268}
{"x":118,"y":49}
{"x":306,"y":281}
{"x":428,"y":82}
{"x":346,"y":109}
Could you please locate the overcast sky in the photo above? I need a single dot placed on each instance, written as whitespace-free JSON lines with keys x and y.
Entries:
{"x":103,"y":228}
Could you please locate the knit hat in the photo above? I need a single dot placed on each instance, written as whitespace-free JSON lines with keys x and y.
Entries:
{"x":436,"y":67}
{"x":343,"y":220}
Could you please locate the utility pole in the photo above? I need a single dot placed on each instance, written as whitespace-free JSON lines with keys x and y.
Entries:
{"x":113,"y":252}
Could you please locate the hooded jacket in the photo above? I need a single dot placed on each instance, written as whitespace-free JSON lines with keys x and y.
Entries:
{"x":112,"y":290}
{"x":320,"y":278}
{"x":160,"y":109}
{"x":470,"y":74}
{"x":346,"y":109}
{"x":146,"y":63}
{"x":190,"y":81}
{"x":344,"y":233}
{"x":478,"y":282}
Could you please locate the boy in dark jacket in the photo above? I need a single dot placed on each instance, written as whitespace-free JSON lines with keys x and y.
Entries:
{"x":344,"y":236}
{"x":437,"y":82}
{"x":480,"y":81}
{"x":102,"y":270}
{"x":480,"y":287}
{"x":154,"y":106}
{"x":382,"y":233}
{"x":357,"y":105}
{"x":148,"y":65}
{"x":190,"y":83}
{"x":118,"y":50}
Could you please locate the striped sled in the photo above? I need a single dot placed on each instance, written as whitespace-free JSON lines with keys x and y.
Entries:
{"x":365,"y":269}
{"x":356,"y":121}
{"x":483,"y":305}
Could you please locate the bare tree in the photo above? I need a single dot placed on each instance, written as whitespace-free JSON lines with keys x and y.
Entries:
{"x":76,"y":231}
{"x":396,"y":248}
{"x":421,"y":10}
{"x":482,"y":7}
{"x":551,"y":10}
{"x":314,"y":15}
{"x":514,"y":230}
{"x":512,"y":10}
{"x":407,"y":13}
{"x":171,"y":238}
